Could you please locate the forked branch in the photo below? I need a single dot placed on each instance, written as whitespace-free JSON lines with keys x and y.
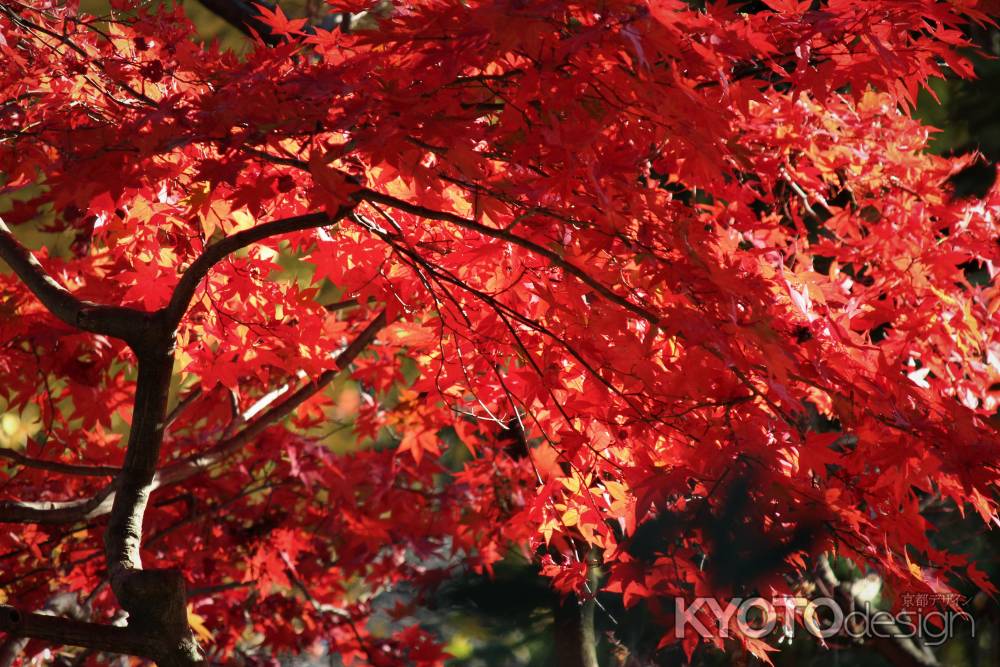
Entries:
{"x":124,"y":323}
{"x":154,"y":599}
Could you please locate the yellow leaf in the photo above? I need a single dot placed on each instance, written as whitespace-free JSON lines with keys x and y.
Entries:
{"x":572,"y":484}
{"x":575,"y":384}
{"x":914,"y":568}
{"x":197,"y":624}
{"x":241,"y":219}
{"x":616,"y":489}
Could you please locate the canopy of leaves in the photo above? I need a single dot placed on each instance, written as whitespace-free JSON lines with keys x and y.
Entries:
{"x":677,"y":287}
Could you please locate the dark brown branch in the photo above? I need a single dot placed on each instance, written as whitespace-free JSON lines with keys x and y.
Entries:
{"x":213,"y":254}
{"x":206,"y":591}
{"x":141,"y":457}
{"x":369,"y":195}
{"x":61,"y":630}
{"x":56,"y":512}
{"x":154,"y":599}
{"x":182,"y":405}
{"x":341,"y":305}
{"x":244,"y":17}
{"x":124,"y":323}
{"x":573,"y":624}
{"x":57,"y":466}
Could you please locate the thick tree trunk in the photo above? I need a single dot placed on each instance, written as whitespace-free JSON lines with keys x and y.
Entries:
{"x":155,"y":600}
{"x":575,"y":637}
{"x":575,"y":642}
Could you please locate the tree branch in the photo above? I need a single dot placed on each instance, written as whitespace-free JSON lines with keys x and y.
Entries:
{"x":366,"y":194}
{"x":61,"y":630}
{"x":182,"y":405}
{"x":61,"y":512}
{"x":242,"y":16}
{"x":213,"y":254}
{"x":896,"y":645}
{"x":192,"y":465}
{"x":154,"y":599}
{"x":124,"y":323}
{"x":373,"y":196}
{"x":56,"y":512}
{"x":573,"y":623}
{"x":57,"y":466}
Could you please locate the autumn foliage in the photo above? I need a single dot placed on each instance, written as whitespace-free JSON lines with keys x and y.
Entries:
{"x":698,"y":257}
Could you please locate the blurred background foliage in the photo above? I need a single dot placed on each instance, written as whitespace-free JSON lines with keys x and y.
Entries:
{"x":507,"y":620}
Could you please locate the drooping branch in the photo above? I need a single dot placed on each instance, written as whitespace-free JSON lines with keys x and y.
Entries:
{"x":125,"y":323}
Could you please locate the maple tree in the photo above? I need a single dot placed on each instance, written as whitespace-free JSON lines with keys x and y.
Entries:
{"x":582,"y":269}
